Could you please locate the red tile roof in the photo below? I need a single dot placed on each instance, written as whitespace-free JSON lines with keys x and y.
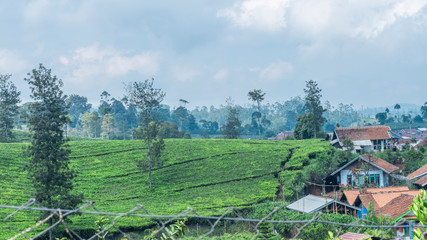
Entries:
{"x":354,"y":236}
{"x":381,"y":163}
{"x":364,"y":133}
{"x":351,"y":195}
{"x":420,"y":171}
{"x":397,"y":207}
{"x":392,"y":204}
{"x":423,"y":142}
{"x":386,"y":189}
{"x":422,"y":181}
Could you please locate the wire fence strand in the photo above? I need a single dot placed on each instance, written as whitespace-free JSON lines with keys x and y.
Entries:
{"x":295,"y":227}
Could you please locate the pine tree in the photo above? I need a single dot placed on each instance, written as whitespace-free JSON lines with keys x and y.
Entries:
{"x":231,"y":128}
{"x":48,"y":167}
{"x":311,"y":123}
{"x":9,"y":99}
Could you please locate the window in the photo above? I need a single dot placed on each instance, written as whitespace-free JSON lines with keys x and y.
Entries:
{"x":350,"y":179}
{"x":374,"y":178}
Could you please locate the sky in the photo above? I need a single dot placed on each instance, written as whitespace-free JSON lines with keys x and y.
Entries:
{"x":364,"y":52}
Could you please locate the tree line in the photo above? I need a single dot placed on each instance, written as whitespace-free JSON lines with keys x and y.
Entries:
{"x":116,"y":118}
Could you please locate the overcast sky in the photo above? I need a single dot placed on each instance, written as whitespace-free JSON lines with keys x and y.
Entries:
{"x":370,"y":53}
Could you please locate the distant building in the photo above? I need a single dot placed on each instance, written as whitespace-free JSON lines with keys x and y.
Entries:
{"x":365,"y":139}
{"x":282,"y":135}
{"x":353,"y":173}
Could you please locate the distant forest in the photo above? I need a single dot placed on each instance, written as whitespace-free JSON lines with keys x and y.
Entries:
{"x":115,"y":118}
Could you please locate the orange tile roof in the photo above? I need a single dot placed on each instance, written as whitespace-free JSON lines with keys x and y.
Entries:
{"x":386,"y":189}
{"x":383,"y":201}
{"x":420,"y":171}
{"x":364,"y":133}
{"x":397,"y":206}
{"x":381,"y":163}
{"x":422,"y":181}
{"x":351,"y":195}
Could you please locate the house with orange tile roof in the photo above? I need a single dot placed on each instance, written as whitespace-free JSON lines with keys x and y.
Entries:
{"x":419,"y":177}
{"x":365,"y":170}
{"x":393,"y":204}
{"x":366,"y":138}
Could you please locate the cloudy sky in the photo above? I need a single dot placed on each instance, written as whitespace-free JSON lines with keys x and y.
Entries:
{"x":370,"y":53}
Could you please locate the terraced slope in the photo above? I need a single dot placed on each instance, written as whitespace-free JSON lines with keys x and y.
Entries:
{"x":206,"y":175}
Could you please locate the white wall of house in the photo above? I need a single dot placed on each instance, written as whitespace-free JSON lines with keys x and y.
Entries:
{"x":344,"y":173}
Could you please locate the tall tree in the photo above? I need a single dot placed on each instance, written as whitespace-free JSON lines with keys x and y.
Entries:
{"x":48,"y":167}
{"x":314,"y":106}
{"x":231,"y":128}
{"x":107,"y":128}
{"x":257,"y":96}
{"x":147,"y":99}
{"x":91,"y":124}
{"x":9,"y":99}
{"x":424,"y":111}
{"x":397,"y":107}
{"x":77,"y":106}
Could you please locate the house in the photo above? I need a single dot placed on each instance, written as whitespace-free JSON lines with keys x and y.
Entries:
{"x":394,"y":204}
{"x":366,"y":138}
{"x":419,"y":176}
{"x":365,"y":170}
{"x":312,"y":203}
{"x":350,"y":196}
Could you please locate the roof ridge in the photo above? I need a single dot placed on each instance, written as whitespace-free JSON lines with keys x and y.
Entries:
{"x":371,"y":126}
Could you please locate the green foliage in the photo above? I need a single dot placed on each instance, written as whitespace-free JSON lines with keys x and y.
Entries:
{"x":146,"y":98}
{"x":231,"y":128}
{"x":266,"y":232}
{"x":226,"y":236}
{"x":101,"y":223}
{"x":172,"y":232}
{"x":311,"y":231}
{"x":257,"y":96}
{"x":348,"y":145}
{"x":413,"y":160}
{"x":304,"y":127}
{"x":419,"y":207}
{"x":48,"y":166}
{"x":313,"y":120}
{"x":372,"y":218}
{"x":205,"y":174}
{"x":381,"y":117}
{"x":9,"y":99}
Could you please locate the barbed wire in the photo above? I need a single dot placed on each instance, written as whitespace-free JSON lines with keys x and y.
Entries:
{"x":164,"y":221}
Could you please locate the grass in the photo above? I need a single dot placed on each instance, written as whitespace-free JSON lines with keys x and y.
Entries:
{"x":205,"y":174}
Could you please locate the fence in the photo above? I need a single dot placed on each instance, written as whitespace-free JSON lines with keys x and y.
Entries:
{"x":295,"y":227}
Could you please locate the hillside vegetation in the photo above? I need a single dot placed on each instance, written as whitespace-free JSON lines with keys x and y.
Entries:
{"x":207,"y":175}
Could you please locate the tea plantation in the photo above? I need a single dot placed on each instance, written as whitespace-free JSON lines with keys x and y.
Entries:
{"x":206,"y":175}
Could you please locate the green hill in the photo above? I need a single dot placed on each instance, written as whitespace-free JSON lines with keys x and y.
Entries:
{"x":207,"y":175}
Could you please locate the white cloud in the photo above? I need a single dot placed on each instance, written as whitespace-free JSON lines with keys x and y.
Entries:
{"x":322,"y":19}
{"x":221,"y":75}
{"x":63,"y":10}
{"x":89,"y":62}
{"x":363,"y":18}
{"x":379,"y":20}
{"x":276,"y":71}
{"x":184,"y":74}
{"x":11,"y":62}
{"x":259,"y":14}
